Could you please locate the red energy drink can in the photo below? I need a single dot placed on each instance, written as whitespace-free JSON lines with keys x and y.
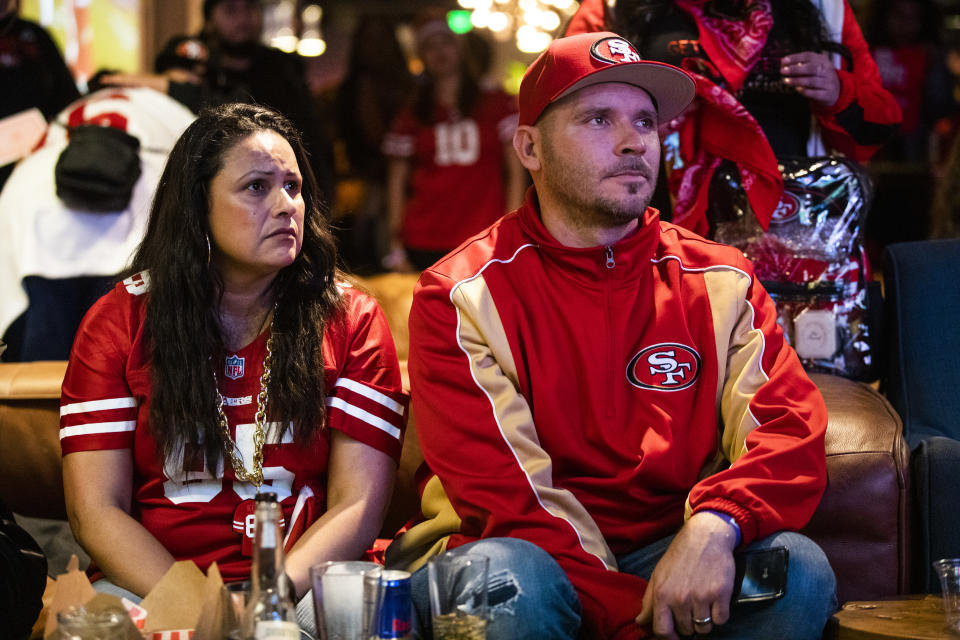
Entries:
{"x":395,"y":605}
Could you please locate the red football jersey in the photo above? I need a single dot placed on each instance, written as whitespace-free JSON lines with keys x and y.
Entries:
{"x":208,"y":517}
{"x":457,"y":180}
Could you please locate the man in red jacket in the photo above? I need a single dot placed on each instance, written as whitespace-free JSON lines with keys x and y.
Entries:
{"x":606,"y":403}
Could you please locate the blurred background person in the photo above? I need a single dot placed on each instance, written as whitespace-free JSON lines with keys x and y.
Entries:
{"x":376,"y":84}
{"x":32,"y":73}
{"x":451,"y":168}
{"x":945,"y":82}
{"x":214,"y":358}
{"x":945,"y":210}
{"x":904,"y":39}
{"x":74,"y":210}
{"x":774,"y":79}
{"x":226,"y":62}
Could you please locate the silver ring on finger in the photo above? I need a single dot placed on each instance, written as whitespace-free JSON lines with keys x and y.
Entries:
{"x":703,"y":621}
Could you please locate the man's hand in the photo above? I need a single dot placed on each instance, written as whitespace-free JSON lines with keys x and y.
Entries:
{"x":693,"y":580}
{"x":812,"y":75}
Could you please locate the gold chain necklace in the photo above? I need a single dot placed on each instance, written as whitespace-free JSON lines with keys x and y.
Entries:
{"x":254,"y":477}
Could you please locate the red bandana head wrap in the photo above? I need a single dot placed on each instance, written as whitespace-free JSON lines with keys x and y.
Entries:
{"x":732,"y":43}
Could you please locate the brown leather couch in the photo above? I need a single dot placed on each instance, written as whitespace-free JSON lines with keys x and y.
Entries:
{"x":30,"y":479}
{"x":862,"y":521}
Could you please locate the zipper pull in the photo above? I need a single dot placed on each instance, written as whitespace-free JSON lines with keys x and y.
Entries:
{"x":611,"y":263}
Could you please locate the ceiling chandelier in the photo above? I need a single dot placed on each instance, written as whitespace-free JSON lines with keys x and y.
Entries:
{"x":532,"y":23}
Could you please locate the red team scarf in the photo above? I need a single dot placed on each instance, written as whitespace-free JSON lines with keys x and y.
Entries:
{"x":717,"y":126}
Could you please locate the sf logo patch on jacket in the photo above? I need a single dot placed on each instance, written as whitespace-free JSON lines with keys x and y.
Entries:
{"x":664,"y":367}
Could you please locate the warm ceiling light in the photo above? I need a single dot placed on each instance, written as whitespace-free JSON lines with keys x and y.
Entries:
{"x":506,"y":19}
{"x":285,"y":40}
{"x":480,"y":19}
{"x":311,"y":47}
{"x":498,"y":21}
{"x":549,"y":20}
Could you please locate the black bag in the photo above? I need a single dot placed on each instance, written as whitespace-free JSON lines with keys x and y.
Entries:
{"x":23,"y":578}
{"x":98,"y":169}
{"x":811,"y":260}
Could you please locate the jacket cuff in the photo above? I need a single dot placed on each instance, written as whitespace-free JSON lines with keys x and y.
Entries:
{"x":729,"y":519}
{"x":748,"y":526}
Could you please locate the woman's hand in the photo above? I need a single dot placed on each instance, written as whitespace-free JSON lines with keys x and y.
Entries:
{"x":359,"y":485}
{"x":812,"y":75}
{"x":98,"y":488}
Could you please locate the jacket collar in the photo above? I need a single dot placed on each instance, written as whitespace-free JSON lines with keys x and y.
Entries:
{"x":626,"y":260}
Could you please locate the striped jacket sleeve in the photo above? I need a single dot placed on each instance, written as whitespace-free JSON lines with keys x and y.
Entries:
{"x":477,"y":434}
{"x":773,"y":416}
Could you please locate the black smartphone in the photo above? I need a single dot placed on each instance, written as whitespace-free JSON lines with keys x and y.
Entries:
{"x":761,"y":575}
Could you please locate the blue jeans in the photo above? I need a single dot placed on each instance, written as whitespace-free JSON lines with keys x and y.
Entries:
{"x":528,"y":594}
{"x":531,"y":597}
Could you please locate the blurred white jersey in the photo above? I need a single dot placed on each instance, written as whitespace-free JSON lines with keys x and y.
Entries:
{"x":41,"y":236}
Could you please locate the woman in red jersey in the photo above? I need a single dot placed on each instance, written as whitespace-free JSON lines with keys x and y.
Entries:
{"x":452,"y":170}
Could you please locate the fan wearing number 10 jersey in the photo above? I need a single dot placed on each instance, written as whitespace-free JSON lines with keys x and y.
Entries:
{"x":451,"y":170}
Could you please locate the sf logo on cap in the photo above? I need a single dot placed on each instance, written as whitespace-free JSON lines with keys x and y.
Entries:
{"x":614,"y":51}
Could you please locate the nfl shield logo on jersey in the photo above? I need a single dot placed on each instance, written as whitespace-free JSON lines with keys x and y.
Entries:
{"x":234,"y":367}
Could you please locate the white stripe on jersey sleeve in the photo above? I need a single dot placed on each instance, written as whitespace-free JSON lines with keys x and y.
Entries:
{"x":366,"y":416}
{"x":97,"y":405}
{"x":371,"y":393}
{"x":305,"y":494}
{"x":98,"y":428}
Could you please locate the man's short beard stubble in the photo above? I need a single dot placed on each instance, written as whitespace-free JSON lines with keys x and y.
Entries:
{"x":562,"y":178}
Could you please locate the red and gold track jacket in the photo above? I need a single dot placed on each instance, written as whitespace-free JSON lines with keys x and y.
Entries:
{"x":589,"y":400}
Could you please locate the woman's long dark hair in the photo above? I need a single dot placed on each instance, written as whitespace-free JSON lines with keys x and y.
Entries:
{"x":182,"y":327}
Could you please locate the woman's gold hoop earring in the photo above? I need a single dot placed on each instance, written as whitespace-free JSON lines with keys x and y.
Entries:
{"x":209,"y":250}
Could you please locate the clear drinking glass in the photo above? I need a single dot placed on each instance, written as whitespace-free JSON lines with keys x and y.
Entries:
{"x":948,"y":570}
{"x":341,"y":598}
{"x":458,"y":595}
{"x":76,"y":623}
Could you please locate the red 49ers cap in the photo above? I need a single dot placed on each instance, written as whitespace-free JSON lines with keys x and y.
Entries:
{"x":586,"y":59}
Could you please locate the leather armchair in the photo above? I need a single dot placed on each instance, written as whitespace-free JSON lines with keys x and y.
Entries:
{"x":31,"y":482}
{"x":861,"y":522}
{"x":922,"y":378}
